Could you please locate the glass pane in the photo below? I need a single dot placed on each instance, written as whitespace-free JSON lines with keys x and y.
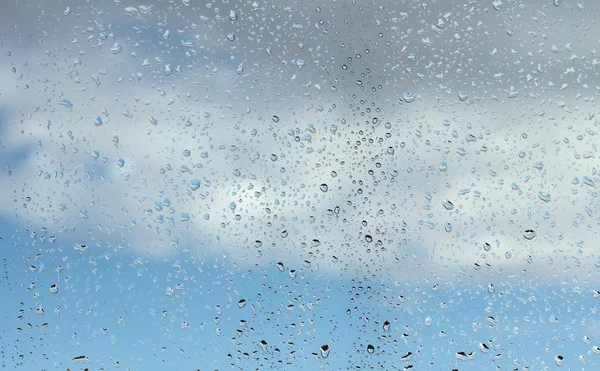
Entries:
{"x":392,"y":185}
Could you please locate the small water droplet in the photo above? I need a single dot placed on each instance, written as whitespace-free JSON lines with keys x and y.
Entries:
{"x":369,"y":238}
{"x":462,"y":95}
{"x":448,"y":205}
{"x":409,"y":97}
{"x":559,"y":360}
{"x":116,"y":49}
{"x":241,"y":303}
{"x":233,"y":15}
{"x":280,"y":266}
{"x":370,"y":349}
{"x":325,"y":351}
{"x":529,"y":234}
{"x":324,"y":187}
{"x":544,"y":196}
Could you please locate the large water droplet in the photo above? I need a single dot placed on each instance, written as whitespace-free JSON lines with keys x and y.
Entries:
{"x":370,"y":349}
{"x":324,"y":187}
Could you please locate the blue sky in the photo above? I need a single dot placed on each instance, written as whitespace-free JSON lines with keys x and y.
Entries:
{"x":132,"y":242}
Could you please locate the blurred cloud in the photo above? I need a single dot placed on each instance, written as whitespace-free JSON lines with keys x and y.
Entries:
{"x":292,"y":95}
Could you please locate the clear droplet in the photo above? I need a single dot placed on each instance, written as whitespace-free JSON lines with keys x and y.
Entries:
{"x":529,"y":234}
{"x":448,"y":205}
{"x":559,"y":360}
{"x":370,"y":349}
{"x":241,"y":303}
{"x":409,"y":97}
{"x":324,"y":187}
{"x":325,"y":351}
{"x":280,"y":266}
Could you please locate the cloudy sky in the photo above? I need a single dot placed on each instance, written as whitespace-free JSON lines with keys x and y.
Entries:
{"x":333,"y":165}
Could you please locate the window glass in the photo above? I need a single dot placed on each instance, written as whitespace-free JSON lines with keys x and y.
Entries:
{"x":302,"y":185}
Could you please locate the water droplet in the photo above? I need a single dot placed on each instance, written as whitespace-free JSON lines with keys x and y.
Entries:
{"x":325,"y":351}
{"x":292,"y":274}
{"x":484,"y":347}
{"x":390,"y":150}
{"x":233,"y":15}
{"x":559,"y":360}
{"x":487,"y":246}
{"x":462,"y":95}
{"x":448,"y":205}
{"x":284,"y":233}
{"x":370,"y":349}
{"x":544,"y":196}
{"x":513,"y":93}
{"x":369,"y":238}
{"x":386,"y":326}
{"x":448,"y":227}
{"x":54,"y":289}
{"x":529,"y":234}
{"x":409,"y":97}
{"x":241,"y":303}
{"x":65,"y":103}
{"x":67,"y":10}
{"x":557,"y":2}
{"x":280,"y":266}
{"x":116,"y":49}
{"x":98,"y":121}
{"x":231,"y":36}
{"x":263,"y":345}
{"x":324,"y":187}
